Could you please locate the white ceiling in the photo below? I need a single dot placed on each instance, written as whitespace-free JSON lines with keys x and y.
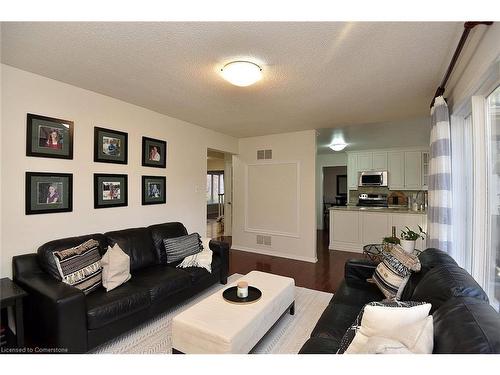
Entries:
{"x":413,"y":132}
{"x":316,"y":75}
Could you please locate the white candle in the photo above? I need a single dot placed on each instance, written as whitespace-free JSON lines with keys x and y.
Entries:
{"x":242,"y":289}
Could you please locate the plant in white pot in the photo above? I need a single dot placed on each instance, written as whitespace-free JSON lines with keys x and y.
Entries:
{"x":409,"y":238}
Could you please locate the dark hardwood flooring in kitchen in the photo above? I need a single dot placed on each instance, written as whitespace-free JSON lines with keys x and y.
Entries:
{"x":325,"y":275}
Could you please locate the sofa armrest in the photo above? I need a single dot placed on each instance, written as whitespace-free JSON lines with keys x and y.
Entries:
{"x":55,"y":312}
{"x":222,"y":249}
{"x":357,"y":271}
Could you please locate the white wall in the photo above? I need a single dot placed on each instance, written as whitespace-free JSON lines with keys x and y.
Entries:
{"x":215,"y":164}
{"x":325,"y":160}
{"x":483,"y":51}
{"x":24,"y":92}
{"x":293,"y":159}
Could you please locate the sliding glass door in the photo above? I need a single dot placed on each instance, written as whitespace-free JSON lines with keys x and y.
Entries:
{"x":493,"y":133}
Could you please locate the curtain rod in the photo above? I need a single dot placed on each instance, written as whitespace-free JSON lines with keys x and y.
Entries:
{"x":468,"y":26}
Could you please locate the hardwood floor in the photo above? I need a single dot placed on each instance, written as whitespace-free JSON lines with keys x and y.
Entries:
{"x":325,"y":275}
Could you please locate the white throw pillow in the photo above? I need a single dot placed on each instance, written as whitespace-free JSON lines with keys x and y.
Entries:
{"x":115,"y":268}
{"x":411,"y":328}
{"x":202,"y":259}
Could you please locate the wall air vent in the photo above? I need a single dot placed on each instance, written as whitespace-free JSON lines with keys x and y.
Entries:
{"x":264,"y":154}
{"x":263,"y":240}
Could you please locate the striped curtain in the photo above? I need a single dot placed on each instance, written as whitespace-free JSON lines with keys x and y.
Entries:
{"x":439,"y":208}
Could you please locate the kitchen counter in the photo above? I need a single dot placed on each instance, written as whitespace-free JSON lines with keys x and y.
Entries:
{"x":392,"y":210}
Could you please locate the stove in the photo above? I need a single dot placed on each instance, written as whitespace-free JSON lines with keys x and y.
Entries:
{"x":372,"y":200}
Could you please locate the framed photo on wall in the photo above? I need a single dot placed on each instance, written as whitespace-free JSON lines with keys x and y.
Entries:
{"x":110,"y":190}
{"x":154,"y":152}
{"x":154,"y":190}
{"x":48,"y":193}
{"x":49,"y":137}
{"x":110,"y":146}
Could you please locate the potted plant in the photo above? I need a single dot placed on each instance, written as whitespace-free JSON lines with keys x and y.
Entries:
{"x":409,"y":237}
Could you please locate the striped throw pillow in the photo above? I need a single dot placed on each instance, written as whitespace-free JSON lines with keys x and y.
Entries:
{"x":392,"y":274}
{"x":80,"y":266}
{"x":178,"y":248}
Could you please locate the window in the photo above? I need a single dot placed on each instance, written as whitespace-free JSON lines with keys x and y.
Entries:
{"x":493,"y":133}
{"x":215,"y":186}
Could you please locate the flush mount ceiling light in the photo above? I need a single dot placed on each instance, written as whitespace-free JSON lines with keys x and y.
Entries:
{"x":338,"y":146}
{"x":241,"y":73}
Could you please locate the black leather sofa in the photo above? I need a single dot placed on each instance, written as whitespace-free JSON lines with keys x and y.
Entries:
{"x":464,"y":321}
{"x":60,"y":316}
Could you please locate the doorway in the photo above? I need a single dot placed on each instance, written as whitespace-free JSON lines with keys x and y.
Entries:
{"x":334,"y":190}
{"x":218,"y":193}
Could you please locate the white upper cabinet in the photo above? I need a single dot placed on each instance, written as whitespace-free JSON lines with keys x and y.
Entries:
{"x":413,"y":170}
{"x":352,"y":171}
{"x":396,"y":169}
{"x":379,"y":161}
{"x":365,"y":162}
{"x":408,"y":169}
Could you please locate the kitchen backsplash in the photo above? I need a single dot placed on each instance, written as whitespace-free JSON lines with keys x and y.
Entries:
{"x":353,"y":194}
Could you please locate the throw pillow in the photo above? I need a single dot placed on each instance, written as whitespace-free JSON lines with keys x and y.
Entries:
{"x":115,"y":268}
{"x":202,"y":259}
{"x":80,"y":266}
{"x":392,"y":274}
{"x":178,"y":248}
{"x":410,"y":330}
{"x":351,"y":331}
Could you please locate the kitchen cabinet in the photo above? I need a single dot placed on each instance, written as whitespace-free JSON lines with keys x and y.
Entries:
{"x":413,"y":170}
{"x":365,"y":162}
{"x":396,"y":170}
{"x":408,"y":168}
{"x":345,"y":226}
{"x":352,"y":171}
{"x":375,"y":226}
{"x":351,"y":228}
{"x":379,"y":161}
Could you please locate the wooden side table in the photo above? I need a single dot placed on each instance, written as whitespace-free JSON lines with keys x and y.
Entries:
{"x":12,"y":295}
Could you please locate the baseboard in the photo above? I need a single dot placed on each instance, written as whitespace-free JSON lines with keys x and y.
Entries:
{"x":346,"y":246}
{"x":274,"y":253}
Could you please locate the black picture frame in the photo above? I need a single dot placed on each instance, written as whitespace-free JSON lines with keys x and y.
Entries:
{"x":38,"y":193}
{"x":147,"y":145}
{"x":106,"y":193}
{"x":105,"y":146}
{"x":38,"y":132}
{"x":149,"y":182}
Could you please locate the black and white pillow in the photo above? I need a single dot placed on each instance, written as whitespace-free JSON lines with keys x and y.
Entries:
{"x":351,"y":331}
{"x":80,"y":266}
{"x":178,"y":248}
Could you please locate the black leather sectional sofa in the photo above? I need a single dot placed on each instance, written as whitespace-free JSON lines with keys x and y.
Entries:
{"x":464,"y":321}
{"x":60,"y":316}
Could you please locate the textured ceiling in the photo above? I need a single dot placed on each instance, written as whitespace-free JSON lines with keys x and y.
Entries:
{"x":316,"y":75}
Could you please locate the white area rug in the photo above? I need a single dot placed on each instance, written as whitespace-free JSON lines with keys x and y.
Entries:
{"x":286,"y":337}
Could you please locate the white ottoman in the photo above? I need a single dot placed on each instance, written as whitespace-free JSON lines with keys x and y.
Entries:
{"x":215,"y":326}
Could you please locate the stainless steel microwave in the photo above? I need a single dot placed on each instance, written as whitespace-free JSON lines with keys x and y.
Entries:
{"x":373,"y":178}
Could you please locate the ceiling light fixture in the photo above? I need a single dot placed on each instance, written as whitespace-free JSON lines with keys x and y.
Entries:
{"x":241,"y":73}
{"x":338,"y":146}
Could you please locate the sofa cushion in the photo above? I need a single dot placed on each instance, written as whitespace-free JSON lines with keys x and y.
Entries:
{"x":161,"y":231}
{"x":106,"y":307}
{"x":466,"y":325}
{"x":320,"y":345}
{"x":444,"y":282}
{"x":335,"y":321}
{"x":179,"y":248}
{"x":138,"y":245}
{"x":161,"y":281}
{"x":46,"y":251}
{"x":429,"y":259}
{"x":357,"y":295}
{"x":199,"y":274}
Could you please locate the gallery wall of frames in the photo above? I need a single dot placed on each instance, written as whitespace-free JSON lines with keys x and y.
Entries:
{"x":52,"y":192}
